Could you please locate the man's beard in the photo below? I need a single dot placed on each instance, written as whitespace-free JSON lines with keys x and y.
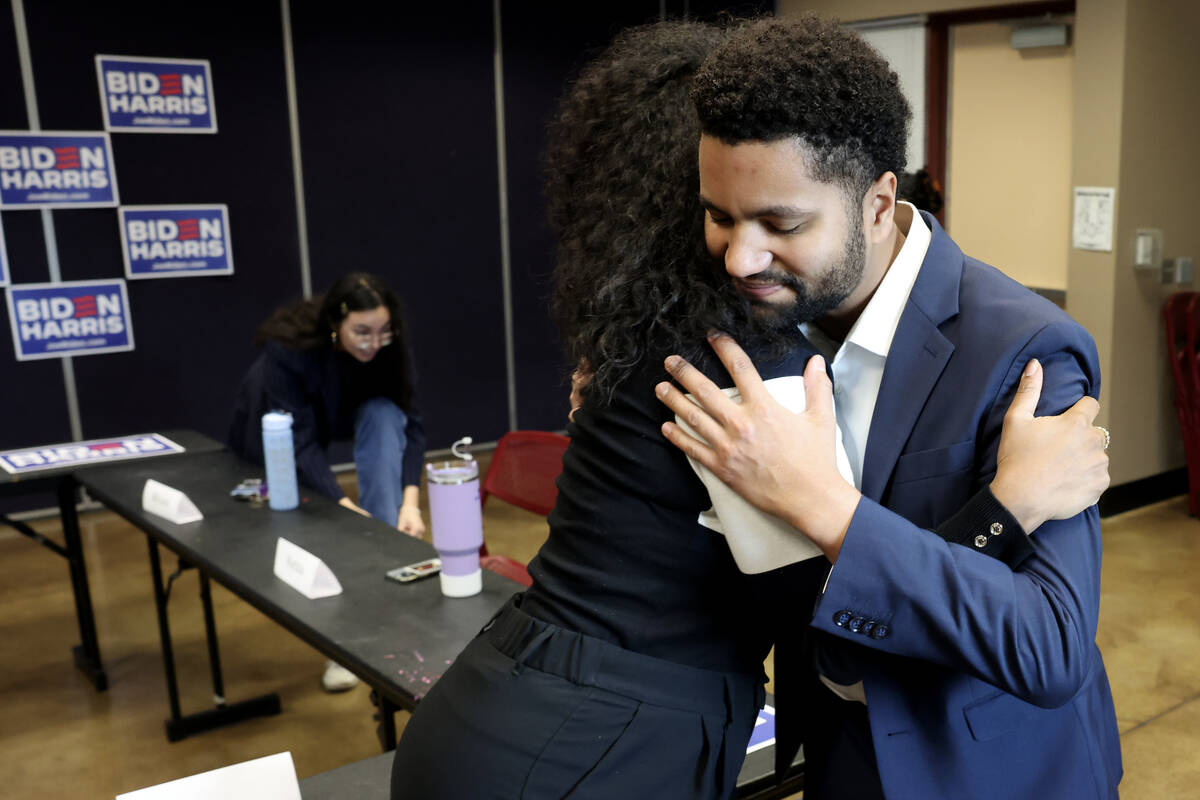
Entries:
{"x":775,"y":326}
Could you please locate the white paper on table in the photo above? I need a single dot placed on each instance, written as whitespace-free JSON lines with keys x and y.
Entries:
{"x":268,"y":778}
{"x":304,"y":572}
{"x":760,"y":541}
{"x":174,"y":505}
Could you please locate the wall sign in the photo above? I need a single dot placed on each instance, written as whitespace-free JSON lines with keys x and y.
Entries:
{"x":56,"y":169}
{"x":79,"y":318}
{"x":156,"y":95}
{"x":175,"y":241}
{"x":3,"y":257}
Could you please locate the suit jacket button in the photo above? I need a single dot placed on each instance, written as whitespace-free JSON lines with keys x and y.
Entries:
{"x":855,"y":624}
{"x":867,"y":627}
{"x":880,"y":632}
{"x":981,"y":541}
{"x":840,"y":618}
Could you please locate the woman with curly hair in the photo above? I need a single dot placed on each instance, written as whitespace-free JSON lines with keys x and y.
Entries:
{"x":634,"y":662}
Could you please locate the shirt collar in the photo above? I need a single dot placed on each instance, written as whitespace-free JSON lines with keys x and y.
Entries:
{"x":876,"y":326}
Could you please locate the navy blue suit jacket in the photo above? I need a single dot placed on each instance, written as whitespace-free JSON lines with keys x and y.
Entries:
{"x":985,"y":682}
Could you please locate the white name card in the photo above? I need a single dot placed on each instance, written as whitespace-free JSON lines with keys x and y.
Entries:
{"x":162,"y":500}
{"x":269,"y":778}
{"x":304,"y":572}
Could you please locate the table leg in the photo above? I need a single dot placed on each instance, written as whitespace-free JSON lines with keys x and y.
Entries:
{"x":87,"y":653}
{"x":181,"y":726}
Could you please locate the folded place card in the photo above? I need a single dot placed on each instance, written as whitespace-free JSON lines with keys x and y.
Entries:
{"x":269,"y":778}
{"x":304,"y":572}
{"x":162,"y":500}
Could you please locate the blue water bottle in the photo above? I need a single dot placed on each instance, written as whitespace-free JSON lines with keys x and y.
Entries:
{"x":280,"y":461}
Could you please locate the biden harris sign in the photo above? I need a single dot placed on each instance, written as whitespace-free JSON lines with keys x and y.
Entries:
{"x":175,"y":241}
{"x":79,"y":318}
{"x":156,"y":95}
{"x":63,"y":169}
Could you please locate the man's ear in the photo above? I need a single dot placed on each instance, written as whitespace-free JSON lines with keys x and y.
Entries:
{"x":879,"y":208}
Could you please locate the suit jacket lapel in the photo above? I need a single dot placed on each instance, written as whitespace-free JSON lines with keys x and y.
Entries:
{"x":918,"y":355}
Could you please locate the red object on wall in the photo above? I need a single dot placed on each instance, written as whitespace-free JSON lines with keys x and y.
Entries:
{"x":1182,"y":317}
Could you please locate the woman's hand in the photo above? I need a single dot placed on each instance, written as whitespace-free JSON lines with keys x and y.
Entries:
{"x":409,"y":521}
{"x":1048,"y":467}
{"x":346,"y":502}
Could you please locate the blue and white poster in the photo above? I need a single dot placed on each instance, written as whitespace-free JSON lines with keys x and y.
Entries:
{"x":3,"y":257}
{"x":156,"y":95}
{"x":763,"y":734}
{"x":79,"y":318}
{"x":56,"y":456}
{"x":56,"y":169}
{"x":175,"y":241}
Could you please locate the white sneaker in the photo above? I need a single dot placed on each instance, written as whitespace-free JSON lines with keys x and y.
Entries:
{"x":337,"y":678}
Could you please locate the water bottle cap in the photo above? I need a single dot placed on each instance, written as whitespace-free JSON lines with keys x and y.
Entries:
{"x":277,"y":421}
{"x":452,"y":472}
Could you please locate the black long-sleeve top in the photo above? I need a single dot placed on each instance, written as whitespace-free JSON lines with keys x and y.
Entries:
{"x":322,"y":388}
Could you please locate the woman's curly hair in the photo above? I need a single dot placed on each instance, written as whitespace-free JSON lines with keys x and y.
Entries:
{"x":633,"y":279}
{"x":812,"y":78}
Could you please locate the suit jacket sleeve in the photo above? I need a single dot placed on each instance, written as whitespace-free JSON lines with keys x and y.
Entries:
{"x":1028,"y":631}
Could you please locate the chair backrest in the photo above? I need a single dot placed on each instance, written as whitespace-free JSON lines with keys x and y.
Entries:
{"x":524,"y":469}
{"x":1183,"y":327}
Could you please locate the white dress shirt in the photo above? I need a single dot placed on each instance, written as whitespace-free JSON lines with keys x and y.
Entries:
{"x":857,"y":363}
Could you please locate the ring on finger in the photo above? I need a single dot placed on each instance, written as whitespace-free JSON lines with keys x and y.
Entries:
{"x":1107,"y":437}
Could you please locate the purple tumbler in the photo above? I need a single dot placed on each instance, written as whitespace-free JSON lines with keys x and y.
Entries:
{"x":457,"y":520}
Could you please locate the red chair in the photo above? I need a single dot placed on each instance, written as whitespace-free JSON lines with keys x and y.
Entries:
{"x":523,"y":472}
{"x":1182,"y":317}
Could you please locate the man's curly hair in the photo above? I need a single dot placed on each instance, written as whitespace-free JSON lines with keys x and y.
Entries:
{"x":811,"y":78}
{"x":632,"y":278}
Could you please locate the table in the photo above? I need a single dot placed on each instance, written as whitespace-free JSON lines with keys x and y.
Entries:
{"x":370,"y":779}
{"x":60,"y":480}
{"x":396,"y":638}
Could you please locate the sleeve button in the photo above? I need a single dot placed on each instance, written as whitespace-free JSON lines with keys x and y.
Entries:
{"x":840,"y":618}
{"x":981,"y":541}
{"x":867,"y":627}
{"x":855,"y":624}
{"x":996,"y":529}
{"x":880,"y":632}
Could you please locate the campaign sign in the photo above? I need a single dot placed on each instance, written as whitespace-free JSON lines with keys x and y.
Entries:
{"x":3,"y":257}
{"x":156,"y":95}
{"x":56,"y":169}
{"x":56,"y":456}
{"x":51,"y":320}
{"x":175,"y":241}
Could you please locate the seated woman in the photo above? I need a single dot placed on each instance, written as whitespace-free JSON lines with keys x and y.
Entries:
{"x":339,"y":364}
{"x":634,"y":661}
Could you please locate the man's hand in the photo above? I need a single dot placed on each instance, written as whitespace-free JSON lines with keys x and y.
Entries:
{"x":1048,"y":467}
{"x":780,"y":462}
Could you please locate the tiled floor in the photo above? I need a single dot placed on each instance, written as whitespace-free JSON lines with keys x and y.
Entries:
{"x":58,"y":738}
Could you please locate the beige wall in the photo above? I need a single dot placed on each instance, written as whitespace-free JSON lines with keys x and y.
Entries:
{"x":1135,"y":117}
{"x":854,"y":10}
{"x":1008,"y":189}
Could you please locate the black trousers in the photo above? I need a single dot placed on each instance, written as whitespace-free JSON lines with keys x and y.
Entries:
{"x":839,"y":756}
{"x":530,"y":710}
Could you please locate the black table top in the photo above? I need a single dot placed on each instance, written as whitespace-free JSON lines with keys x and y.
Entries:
{"x":397,"y":637}
{"x":191,"y":441}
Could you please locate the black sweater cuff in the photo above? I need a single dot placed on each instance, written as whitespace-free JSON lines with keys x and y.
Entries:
{"x":984,"y":524}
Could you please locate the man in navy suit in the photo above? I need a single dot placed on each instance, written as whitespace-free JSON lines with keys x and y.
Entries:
{"x":957,"y":676}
